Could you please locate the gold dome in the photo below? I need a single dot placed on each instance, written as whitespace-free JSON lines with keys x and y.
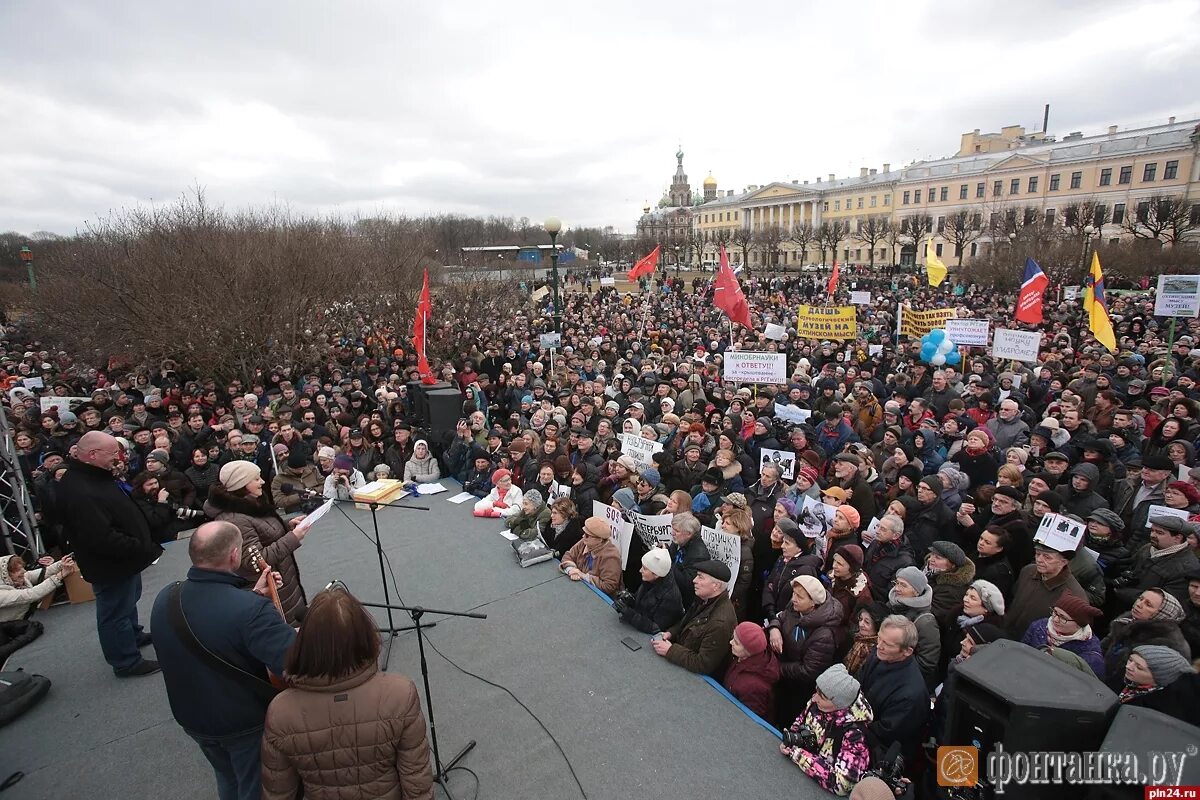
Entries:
{"x":710,"y":180}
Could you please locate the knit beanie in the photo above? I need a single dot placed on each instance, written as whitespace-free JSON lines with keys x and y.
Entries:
{"x":751,"y":636}
{"x":296,"y":459}
{"x":500,"y":475}
{"x":651,"y":476}
{"x":808,"y":473}
{"x":1077,"y":609}
{"x":992,"y":597}
{"x":788,"y":506}
{"x":236,"y":474}
{"x":851,"y":514}
{"x":853,"y":555}
{"x":915,"y":577}
{"x":1165,"y":664}
{"x":812,"y":586}
{"x":326,"y":452}
{"x":911,"y":472}
{"x":534,"y":496}
{"x":934,"y":483}
{"x":658,"y":561}
{"x":838,"y":685}
{"x":343,"y":462}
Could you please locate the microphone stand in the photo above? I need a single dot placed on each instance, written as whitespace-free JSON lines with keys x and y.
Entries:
{"x":391,"y":630}
{"x":441,"y":775}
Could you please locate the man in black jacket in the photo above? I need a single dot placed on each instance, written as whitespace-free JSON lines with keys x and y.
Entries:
{"x":892,"y":683}
{"x":112,"y":544}
{"x":222,"y":711}
{"x":687,"y":550}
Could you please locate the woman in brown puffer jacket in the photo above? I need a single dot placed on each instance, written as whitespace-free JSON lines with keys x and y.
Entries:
{"x":344,"y":729}
{"x":239,"y":499}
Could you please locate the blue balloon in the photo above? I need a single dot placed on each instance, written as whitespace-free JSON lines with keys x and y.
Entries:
{"x":928,"y":351}
{"x":953,"y":357}
{"x":936,"y":335}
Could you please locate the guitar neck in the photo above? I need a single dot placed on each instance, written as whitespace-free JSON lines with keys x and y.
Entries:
{"x":262,"y":565}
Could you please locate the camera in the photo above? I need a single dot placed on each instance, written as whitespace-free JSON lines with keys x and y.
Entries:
{"x":890,"y":772}
{"x":622,"y":601}
{"x":804,"y":738}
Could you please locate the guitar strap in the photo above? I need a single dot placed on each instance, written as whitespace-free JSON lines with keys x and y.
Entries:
{"x":183,"y":630}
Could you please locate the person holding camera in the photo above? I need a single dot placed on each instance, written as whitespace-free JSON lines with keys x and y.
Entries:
{"x":657,"y":605}
{"x":829,"y":742}
{"x":343,"y":480}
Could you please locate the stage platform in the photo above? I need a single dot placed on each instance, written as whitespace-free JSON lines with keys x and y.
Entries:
{"x":631,"y":724}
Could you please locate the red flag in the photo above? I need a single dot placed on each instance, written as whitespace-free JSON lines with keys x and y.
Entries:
{"x":728,"y":296}
{"x":833,"y":279}
{"x":1033,"y":286}
{"x":646,"y":265}
{"x":420,"y":322}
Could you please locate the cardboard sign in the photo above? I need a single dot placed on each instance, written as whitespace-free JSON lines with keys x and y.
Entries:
{"x":1178,"y":296}
{"x":639,"y":449}
{"x":726,"y":548}
{"x":653,"y":530}
{"x":622,"y":530}
{"x":827,"y":322}
{"x":1060,"y":533}
{"x":743,"y":366}
{"x":608,"y":281}
{"x":774,"y":331}
{"x":1016,"y":345}
{"x":860,"y":298}
{"x":784,"y":459}
{"x":968,"y":332}
{"x":550,"y":341}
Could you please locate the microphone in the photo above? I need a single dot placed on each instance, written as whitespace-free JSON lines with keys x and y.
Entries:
{"x":291,"y":488}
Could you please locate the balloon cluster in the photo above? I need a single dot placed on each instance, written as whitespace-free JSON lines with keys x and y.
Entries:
{"x":937,"y":349}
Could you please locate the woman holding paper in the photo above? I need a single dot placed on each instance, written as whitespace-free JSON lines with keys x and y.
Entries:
{"x":239,"y":499}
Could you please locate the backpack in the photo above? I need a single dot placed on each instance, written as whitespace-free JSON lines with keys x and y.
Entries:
{"x":19,"y":692}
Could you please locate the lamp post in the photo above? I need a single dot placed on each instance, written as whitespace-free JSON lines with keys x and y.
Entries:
{"x":27,"y":259}
{"x":553,"y":226}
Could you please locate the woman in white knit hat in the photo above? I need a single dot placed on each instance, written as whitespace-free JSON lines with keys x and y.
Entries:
{"x":239,"y":498}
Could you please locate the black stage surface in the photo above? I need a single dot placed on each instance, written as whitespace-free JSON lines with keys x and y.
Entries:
{"x":632,"y":724}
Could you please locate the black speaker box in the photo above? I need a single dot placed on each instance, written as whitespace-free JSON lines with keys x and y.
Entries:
{"x":1148,"y":734}
{"x":1017,"y":696}
{"x":418,"y":394}
{"x":445,"y":408}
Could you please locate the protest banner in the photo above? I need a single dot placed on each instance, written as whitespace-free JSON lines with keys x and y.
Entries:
{"x":742,"y":366}
{"x":33,"y":383}
{"x":726,"y":548}
{"x":1165,"y":511}
{"x":608,"y":281}
{"x":968,"y":332}
{"x":774,"y":331}
{"x":639,"y":449}
{"x":62,"y":403}
{"x":860,"y":298}
{"x":792,"y":414}
{"x":550,"y":341}
{"x":622,"y":529}
{"x":827,"y":322}
{"x":784,"y":459}
{"x":1017,"y":345}
{"x":1071,"y":292}
{"x":915,"y":324}
{"x":1178,"y":296}
{"x":816,"y":519}
{"x":653,"y":530}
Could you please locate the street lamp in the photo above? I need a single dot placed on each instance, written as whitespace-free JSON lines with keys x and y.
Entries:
{"x":553,"y":226}
{"x":27,"y":258}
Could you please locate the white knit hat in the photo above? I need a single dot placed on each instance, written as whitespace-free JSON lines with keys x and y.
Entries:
{"x":658,"y":561}
{"x":811,"y":585}
{"x":236,"y":474}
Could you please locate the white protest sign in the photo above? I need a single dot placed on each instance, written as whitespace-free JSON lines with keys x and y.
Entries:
{"x":639,"y":449}
{"x":1165,"y":511}
{"x":876,"y":349}
{"x":62,"y":403}
{"x":784,"y":459}
{"x":968,"y":332}
{"x":1178,"y":296}
{"x":774,"y":331}
{"x":622,"y":531}
{"x":1184,"y":471}
{"x":1060,"y":533}
{"x":608,"y":281}
{"x":792,"y":414}
{"x":1071,"y":293}
{"x":752,"y":367}
{"x":33,"y":383}
{"x":726,"y":548}
{"x":868,"y":536}
{"x":539,"y":294}
{"x":550,"y":341}
{"x":653,"y":530}
{"x":860,"y":298}
{"x":1017,"y":345}
{"x":816,"y":520}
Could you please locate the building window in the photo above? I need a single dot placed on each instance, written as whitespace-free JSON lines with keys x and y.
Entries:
{"x":939,"y":250}
{"x":916,"y":195}
{"x":1050,"y":215}
{"x":860,"y":202}
{"x":846,"y":254}
{"x":837,"y":205}
{"x":1149,"y":172}
{"x":979,"y":189}
{"x":1014,"y":186}
{"x":856,"y":254}
{"x":873,"y":198}
{"x":1100,"y":215}
{"x":1126,"y":175}
{"x":1076,"y":180}
{"x":882,"y":253}
{"x":1118,"y":213}
{"x":1195,"y":218}
{"x":945,"y":195}
{"x":941,"y":228}
{"x":1054,"y":182}
{"x":825,"y":206}
{"x":962,"y":192}
{"x":1171,"y":170}
{"x":1106,"y":176}
{"x":995,"y":219}
{"x":1143,"y":211}
{"x":735,"y":216}
{"x":887,"y":199}
{"x":904,"y":199}
{"x":974,"y":249}
{"x":1033,"y":182}
{"x":997,"y":188}
{"x":976,"y":221}
{"x":1028,"y":217}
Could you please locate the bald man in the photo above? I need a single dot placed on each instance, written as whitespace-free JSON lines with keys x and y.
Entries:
{"x":222,"y":709}
{"x":112,"y":544}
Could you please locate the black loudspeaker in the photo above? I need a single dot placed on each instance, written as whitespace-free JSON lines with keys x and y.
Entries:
{"x":1150,"y":735}
{"x":1019,"y":697}
{"x":445,"y":410}
{"x":418,"y":394}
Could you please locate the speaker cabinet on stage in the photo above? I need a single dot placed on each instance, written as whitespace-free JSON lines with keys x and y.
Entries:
{"x":1011,"y":694}
{"x":1146,"y":733}
{"x":418,"y":394}
{"x":445,"y":410}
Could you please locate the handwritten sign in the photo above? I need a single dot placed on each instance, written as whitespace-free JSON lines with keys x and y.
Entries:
{"x":915,"y":324}
{"x":742,"y":366}
{"x":827,"y":322}
{"x":1017,"y":345}
{"x":622,"y":529}
{"x":792,"y":414}
{"x":608,"y":281}
{"x":653,"y":530}
{"x":62,"y":403}
{"x":968,"y":332}
{"x":774,"y":331}
{"x":726,"y":548}
{"x":860,"y":298}
{"x":1165,"y":511}
{"x":640,"y":450}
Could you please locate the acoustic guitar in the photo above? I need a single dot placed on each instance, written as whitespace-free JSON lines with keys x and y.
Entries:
{"x":260,"y":566}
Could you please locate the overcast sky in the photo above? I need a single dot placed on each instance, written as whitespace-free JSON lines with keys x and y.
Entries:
{"x":532,"y":109}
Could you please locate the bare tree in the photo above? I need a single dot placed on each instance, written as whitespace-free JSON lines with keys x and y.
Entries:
{"x":914,"y":228}
{"x":871,"y":232}
{"x":894,"y":238}
{"x":802,"y":235}
{"x":1161,"y":218}
{"x":961,"y":230}
{"x":743,"y":239}
{"x":830,"y":235}
{"x":768,"y":240}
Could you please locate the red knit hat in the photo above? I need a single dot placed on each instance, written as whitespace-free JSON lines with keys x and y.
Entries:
{"x":1077,"y":609}
{"x":500,"y":475}
{"x":751,"y":636}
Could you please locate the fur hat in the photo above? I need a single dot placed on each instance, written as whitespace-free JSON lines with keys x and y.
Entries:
{"x":811,"y":585}
{"x":658,"y":561}
{"x":237,"y":474}
{"x":750,"y":635}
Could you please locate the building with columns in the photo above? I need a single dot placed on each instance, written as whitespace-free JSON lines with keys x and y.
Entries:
{"x":966,"y":201}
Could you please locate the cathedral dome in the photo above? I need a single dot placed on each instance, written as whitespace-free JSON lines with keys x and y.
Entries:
{"x":710,"y":180}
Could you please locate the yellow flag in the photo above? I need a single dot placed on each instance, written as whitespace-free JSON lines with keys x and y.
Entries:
{"x":1095,"y":303}
{"x":934,"y":266}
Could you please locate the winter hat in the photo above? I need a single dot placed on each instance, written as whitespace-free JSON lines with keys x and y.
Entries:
{"x":651,"y":476}
{"x":814,"y":588}
{"x":1108,"y":518}
{"x":809,"y":474}
{"x":911,"y":472}
{"x":327,"y":452}
{"x":500,"y":475}
{"x":628,"y":463}
{"x":736,"y":499}
{"x":343,"y":462}
{"x":714,"y":569}
{"x":788,"y":505}
{"x":985,"y":633}
{"x":934,"y":483}
{"x":712,"y":475}
{"x":161,"y":456}
{"x":751,"y":636}
{"x":836,"y":491}
{"x":658,"y":561}
{"x":838,"y":685}
{"x":280,"y":449}
{"x":990,"y":594}
{"x":1052,"y":499}
{"x":1077,"y":609}
{"x":296,"y":459}
{"x":915,"y":578}
{"x":1158,"y":462}
{"x":853,"y":554}
{"x":1171,"y":610}
{"x":950,"y":551}
{"x":236,"y":474}
{"x":1011,"y":492}
{"x":1021,"y":453}
{"x":1166,"y":665}
{"x":788,"y":527}
{"x":765,"y":422}
{"x":851,"y":514}
{"x":67,"y":418}
{"x":535,"y":496}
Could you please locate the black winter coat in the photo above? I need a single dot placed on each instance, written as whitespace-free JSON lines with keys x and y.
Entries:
{"x":897,"y":694}
{"x":777,"y":587}
{"x":656,"y":606}
{"x":105,"y":528}
{"x":683,"y":566}
{"x":931,"y":524}
{"x":882,"y":561}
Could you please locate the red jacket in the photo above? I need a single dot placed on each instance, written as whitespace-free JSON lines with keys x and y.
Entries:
{"x":752,"y":681}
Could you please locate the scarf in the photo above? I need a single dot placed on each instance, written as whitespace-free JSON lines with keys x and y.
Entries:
{"x":1167,"y":551}
{"x":965,"y":622}
{"x":1056,"y":639}
{"x":859,"y":652}
{"x":1132,"y":691}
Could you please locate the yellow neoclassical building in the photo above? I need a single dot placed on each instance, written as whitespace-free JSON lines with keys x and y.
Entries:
{"x":962,"y":201}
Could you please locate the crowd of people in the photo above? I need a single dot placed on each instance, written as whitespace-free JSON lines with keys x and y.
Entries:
{"x":847,"y":639}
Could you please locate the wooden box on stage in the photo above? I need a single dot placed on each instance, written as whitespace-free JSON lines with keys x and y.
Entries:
{"x":384,"y":490}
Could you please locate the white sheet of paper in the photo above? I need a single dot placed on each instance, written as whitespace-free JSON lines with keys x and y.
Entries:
{"x":1184,"y":469}
{"x":462,"y":497}
{"x":430,"y":488}
{"x":1165,"y":511}
{"x":314,"y":517}
{"x":512,"y":537}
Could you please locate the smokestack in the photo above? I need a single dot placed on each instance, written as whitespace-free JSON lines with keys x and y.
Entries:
{"x":1046,"y":119}
{"x":831,"y":177}
{"x":887,"y":167}
{"x":862,"y":172}
{"x":1112,"y":129}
